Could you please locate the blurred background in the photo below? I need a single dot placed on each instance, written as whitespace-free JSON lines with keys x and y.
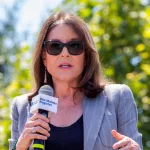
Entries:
{"x":121,"y":31}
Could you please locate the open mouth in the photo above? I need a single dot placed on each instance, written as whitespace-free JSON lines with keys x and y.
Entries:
{"x":65,"y":66}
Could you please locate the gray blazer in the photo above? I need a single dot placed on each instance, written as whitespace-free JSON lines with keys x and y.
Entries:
{"x":114,"y":108}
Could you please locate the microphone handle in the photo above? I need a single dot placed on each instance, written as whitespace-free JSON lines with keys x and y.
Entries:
{"x":40,"y":144}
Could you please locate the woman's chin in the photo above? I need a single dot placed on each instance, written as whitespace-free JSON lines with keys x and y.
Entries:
{"x":66,"y":79}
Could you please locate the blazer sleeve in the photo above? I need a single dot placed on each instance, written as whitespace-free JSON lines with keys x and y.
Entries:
{"x":19,"y":115}
{"x":127,"y":115}
{"x":14,"y":125}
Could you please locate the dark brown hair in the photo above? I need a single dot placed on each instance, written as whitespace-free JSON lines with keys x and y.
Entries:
{"x":92,"y":81}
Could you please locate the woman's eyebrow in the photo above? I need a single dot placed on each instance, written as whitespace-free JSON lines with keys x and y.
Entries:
{"x":72,"y":39}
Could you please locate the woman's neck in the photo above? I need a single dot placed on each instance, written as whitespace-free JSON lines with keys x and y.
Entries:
{"x":66,"y":94}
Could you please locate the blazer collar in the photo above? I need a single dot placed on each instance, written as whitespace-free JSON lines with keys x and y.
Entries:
{"x":29,"y":115}
{"x":93,"y":113}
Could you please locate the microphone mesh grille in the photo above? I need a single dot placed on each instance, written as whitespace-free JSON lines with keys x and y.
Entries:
{"x":47,"y":90}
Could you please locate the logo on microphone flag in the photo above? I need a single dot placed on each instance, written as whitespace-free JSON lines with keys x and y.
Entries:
{"x":45,"y":102}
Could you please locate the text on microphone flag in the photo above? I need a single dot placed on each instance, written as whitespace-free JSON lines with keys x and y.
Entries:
{"x":45,"y":102}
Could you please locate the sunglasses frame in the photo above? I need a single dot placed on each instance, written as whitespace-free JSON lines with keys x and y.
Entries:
{"x":63,"y":45}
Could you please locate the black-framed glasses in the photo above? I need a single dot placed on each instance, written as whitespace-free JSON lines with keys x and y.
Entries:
{"x":55,"y":47}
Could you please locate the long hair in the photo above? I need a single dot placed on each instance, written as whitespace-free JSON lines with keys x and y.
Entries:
{"x":92,"y":81}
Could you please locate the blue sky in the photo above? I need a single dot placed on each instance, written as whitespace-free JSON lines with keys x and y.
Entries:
{"x":30,"y":15}
{"x":34,"y":11}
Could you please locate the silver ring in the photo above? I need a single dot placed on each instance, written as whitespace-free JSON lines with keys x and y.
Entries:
{"x":33,"y":130}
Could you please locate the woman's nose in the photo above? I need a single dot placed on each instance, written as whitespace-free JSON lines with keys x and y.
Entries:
{"x":64,"y":52}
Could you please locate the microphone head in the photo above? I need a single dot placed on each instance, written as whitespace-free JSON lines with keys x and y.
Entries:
{"x":47,"y":90}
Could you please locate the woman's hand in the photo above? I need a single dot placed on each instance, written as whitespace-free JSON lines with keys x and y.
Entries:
{"x":124,"y":142}
{"x":37,"y":127}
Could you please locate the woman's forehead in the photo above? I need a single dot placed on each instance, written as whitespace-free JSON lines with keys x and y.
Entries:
{"x":62,"y":31}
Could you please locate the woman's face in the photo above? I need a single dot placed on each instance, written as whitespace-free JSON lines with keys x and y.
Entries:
{"x":64,"y":66}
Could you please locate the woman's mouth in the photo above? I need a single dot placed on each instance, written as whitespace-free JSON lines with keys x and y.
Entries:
{"x":65,"y":65}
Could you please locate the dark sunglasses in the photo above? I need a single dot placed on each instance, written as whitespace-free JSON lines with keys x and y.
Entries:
{"x":54,"y":47}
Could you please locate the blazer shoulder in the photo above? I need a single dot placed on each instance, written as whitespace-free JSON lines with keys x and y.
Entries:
{"x":116,"y":92}
{"x":20,"y":102}
{"x":117,"y":88}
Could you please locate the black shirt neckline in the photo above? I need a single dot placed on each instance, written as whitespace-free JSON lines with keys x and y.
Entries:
{"x":80,"y":120}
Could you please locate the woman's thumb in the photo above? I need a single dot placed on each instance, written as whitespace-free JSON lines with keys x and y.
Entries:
{"x":117,"y":135}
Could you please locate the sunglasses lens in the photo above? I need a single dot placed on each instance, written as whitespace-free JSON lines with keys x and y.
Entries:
{"x":53,"y":47}
{"x":75,"y":47}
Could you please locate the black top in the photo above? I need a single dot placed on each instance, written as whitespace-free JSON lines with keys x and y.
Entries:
{"x":66,"y":138}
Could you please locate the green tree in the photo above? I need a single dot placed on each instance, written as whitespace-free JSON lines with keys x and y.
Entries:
{"x":9,"y":48}
{"x":20,"y":84}
{"x":8,"y":42}
{"x":121,"y":30}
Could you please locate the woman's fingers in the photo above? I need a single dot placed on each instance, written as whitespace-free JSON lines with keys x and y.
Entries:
{"x":37,"y":127}
{"x":26,"y":138}
{"x":42,"y":131}
{"x":29,"y":135}
{"x":38,"y":122}
{"x":130,"y":146}
{"x":117,"y":135}
{"x":41,"y":123}
{"x":39,"y":116}
{"x":124,"y":142}
{"x":34,"y":136}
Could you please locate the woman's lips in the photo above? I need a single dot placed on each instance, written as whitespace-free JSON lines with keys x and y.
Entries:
{"x":65,"y":65}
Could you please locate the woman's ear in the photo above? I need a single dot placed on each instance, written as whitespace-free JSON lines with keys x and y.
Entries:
{"x":44,"y":58}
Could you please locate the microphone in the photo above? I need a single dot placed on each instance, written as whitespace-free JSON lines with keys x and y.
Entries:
{"x":45,"y":104}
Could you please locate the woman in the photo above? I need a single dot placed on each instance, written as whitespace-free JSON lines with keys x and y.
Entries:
{"x":92,"y":114}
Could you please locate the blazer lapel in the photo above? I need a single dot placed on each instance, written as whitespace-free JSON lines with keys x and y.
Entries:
{"x":93,"y":113}
{"x":29,"y":115}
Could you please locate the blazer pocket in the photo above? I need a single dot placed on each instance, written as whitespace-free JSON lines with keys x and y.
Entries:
{"x":109,"y":122}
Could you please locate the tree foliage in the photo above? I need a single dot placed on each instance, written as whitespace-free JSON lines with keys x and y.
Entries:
{"x":14,"y":74}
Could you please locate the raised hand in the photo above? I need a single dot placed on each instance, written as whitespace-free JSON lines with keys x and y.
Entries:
{"x":124,"y":142}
